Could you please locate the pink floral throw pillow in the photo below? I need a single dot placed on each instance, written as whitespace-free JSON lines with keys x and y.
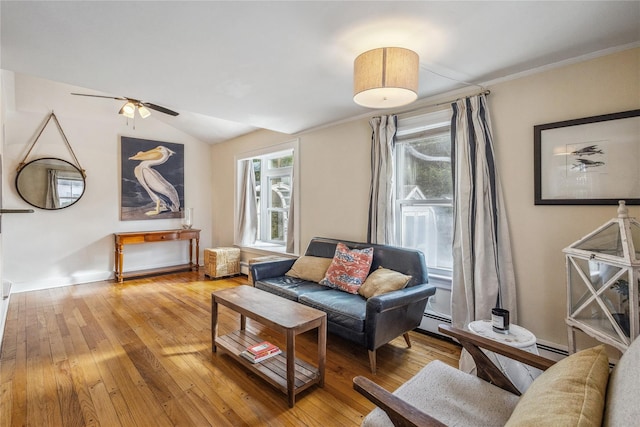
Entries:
{"x":349,"y":268}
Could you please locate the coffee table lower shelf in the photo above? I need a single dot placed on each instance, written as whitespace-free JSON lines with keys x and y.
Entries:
{"x":272,"y":370}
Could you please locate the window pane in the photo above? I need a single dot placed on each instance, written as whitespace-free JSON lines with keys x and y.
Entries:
{"x":428,"y":228}
{"x":425,"y":168}
{"x":424,"y":192}
{"x":281,"y":162}
{"x":280,"y":191}
{"x":278,"y":225}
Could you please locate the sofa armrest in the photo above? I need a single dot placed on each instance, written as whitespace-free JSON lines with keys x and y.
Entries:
{"x":473,"y":340}
{"x":395,"y":313}
{"x":269,"y":269}
{"x":399,"y":298}
{"x":486,"y":370}
{"x":399,"y":411}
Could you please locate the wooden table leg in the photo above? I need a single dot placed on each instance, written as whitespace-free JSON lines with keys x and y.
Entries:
{"x":291,"y":367}
{"x":119,"y":263}
{"x":198,"y":252}
{"x":322,"y":350}
{"x":243,"y":322}
{"x":214,"y":323}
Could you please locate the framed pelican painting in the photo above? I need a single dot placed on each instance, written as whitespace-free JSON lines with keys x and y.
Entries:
{"x":152,"y":179}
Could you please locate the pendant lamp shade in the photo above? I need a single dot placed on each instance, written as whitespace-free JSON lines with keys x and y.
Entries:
{"x":386,"y":77}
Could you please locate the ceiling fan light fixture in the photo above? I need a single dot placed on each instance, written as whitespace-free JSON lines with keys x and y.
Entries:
{"x":386,"y":77}
{"x":144,"y":111}
{"x":128,"y":110}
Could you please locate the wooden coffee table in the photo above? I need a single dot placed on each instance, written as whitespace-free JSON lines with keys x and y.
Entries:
{"x":284,"y":371}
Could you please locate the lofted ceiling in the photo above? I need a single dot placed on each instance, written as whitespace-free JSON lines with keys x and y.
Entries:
{"x":230,"y":67}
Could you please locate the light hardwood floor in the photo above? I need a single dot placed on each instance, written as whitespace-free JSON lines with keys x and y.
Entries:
{"x":139,"y":354}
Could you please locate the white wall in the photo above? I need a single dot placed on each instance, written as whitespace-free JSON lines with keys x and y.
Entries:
{"x":4,"y":299}
{"x":603,"y":85}
{"x":75,"y":244}
{"x":335,"y":175}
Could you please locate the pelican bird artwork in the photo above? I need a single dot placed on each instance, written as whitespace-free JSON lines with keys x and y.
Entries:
{"x":160,"y":190}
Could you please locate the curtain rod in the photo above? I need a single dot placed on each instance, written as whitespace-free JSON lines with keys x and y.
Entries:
{"x":484,"y":92}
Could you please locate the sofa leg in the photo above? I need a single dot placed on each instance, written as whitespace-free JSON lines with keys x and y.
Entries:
{"x":372,"y":361}
{"x":407,"y":339}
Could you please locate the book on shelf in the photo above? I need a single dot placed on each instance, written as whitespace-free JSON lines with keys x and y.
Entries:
{"x":262,"y":348}
{"x":256,"y":359}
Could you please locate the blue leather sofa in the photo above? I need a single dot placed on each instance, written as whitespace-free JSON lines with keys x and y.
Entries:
{"x":369,"y":322}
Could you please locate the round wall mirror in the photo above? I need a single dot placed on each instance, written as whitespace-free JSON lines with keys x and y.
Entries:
{"x":50,"y":183}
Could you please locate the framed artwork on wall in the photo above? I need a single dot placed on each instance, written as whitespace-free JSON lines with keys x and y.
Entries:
{"x":589,"y":161}
{"x":152,"y":179}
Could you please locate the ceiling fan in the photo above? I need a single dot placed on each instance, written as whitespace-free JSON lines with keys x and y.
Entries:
{"x":131,"y":105}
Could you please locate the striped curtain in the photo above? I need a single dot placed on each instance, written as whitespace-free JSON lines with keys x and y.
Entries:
{"x":483,"y":276}
{"x":381,"y":195}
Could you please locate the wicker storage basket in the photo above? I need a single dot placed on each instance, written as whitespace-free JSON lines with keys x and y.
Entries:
{"x":220,"y":262}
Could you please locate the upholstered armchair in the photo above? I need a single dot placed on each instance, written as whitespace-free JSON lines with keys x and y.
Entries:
{"x":576,"y":391}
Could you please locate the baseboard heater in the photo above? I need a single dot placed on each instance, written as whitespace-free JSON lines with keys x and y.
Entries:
{"x":554,"y":350}
{"x":437,"y":317}
{"x":244,"y":267}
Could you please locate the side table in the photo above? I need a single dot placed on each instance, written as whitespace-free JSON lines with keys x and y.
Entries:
{"x":521,"y":375}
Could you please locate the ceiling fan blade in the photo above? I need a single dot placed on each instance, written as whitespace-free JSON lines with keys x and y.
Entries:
{"x":100,"y":96}
{"x":159,"y":108}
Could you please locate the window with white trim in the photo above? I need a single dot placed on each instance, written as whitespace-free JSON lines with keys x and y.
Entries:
{"x":424,"y":189}
{"x":274,"y":169}
{"x":274,"y":173}
{"x":70,"y":188}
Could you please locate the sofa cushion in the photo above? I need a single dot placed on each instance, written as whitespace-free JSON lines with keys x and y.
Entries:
{"x":349,"y":268}
{"x":289,"y":287}
{"x":382,"y":281}
{"x":347,"y":310}
{"x":311,"y":268}
{"x":571,"y":392}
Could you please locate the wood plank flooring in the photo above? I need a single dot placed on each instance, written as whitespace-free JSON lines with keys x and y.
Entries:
{"x":139,"y":354}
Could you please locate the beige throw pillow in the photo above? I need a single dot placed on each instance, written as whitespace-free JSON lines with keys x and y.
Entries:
{"x":311,"y":268}
{"x":382,"y":281}
{"x":570,"y":393}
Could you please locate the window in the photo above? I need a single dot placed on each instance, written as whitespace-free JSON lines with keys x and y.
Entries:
{"x":274,"y":169}
{"x":69,"y":190}
{"x":273,"y":172}
{"x":424,"y":189}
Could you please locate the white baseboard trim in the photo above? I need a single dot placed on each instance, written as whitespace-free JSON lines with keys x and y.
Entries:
{"x":4,"y":311}
{"x":58,"y":282}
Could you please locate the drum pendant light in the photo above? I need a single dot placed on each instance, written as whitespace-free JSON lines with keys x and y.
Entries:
{"x":386,"y":77}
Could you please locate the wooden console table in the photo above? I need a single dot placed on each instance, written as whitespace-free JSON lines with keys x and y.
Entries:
{"x":137,"y":237}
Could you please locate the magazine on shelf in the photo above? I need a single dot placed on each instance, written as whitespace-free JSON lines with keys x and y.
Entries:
{"x":261,"y":349}
{"x":256,"y":359}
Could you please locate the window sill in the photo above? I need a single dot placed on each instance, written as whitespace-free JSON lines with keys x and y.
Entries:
{"x":267,"y":249}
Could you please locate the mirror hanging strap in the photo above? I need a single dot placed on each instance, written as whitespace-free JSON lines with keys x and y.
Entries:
{"x":64,"y":137}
